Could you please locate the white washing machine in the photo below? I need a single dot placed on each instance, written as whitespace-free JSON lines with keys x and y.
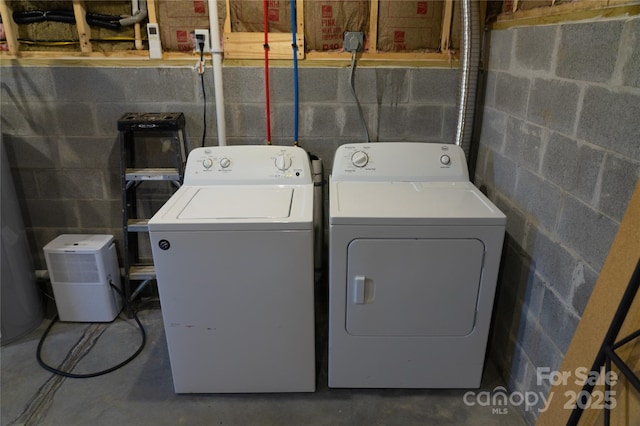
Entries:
{"x":414,"y":255}
{"x":233,"y":252}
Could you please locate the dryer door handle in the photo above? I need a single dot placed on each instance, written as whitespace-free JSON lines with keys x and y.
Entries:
{"x":359,"y":287}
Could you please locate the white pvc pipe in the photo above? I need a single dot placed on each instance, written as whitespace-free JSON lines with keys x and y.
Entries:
{"x":137,"y":32}
{"x":138,"y":13}
{"x":216,"y":58}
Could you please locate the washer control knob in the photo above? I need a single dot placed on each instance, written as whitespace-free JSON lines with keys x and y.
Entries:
{"x":445,"y":160}
{"x":359,"y":159}
{"x":283,"y":162}
{"x":207,"y":163}
{"x":225,"y":162}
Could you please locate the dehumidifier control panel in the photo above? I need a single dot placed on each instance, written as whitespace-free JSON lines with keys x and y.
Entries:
{"x":400,"y":161}
{"x":247,"y":164}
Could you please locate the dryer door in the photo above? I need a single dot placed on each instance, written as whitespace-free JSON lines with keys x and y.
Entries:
{"x":413,"y":287}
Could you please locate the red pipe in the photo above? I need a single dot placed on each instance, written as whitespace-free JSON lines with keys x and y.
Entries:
{"x":265,"y":8}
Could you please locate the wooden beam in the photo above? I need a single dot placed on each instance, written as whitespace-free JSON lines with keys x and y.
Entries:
{"x":564,"y":12}
{"x":447,"y":16}
{"x":373,"y":26}
{"x":84,"y":30}
{"x":152,"y":16}
{"x":152,"y":11}
{"x":140,"y":58}
{"x":300,"y":20}
{"x":249,"y":45}
{"x":227,"y":17}
{"x":382,"y":56}
{"x":10,"y":28}
{"x":299,"y":30}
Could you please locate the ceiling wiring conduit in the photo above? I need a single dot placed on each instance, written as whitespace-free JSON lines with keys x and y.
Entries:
{"x":294,"y":46}
{"x":468,"y":81}
{"x":216,"y":58}
{"x":265,"y":9}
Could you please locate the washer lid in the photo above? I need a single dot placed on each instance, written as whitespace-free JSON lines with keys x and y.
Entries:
{"x":411,"y":203}
{"x":236,"y":207}
{"x":239,"y":203}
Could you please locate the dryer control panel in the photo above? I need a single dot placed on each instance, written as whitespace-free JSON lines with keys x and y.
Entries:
{"x":247,"y":164}
{"x":400,"y":161}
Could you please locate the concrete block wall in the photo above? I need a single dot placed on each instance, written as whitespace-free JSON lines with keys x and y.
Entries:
{"x":59,"y":125}
{"x":560,"y":155}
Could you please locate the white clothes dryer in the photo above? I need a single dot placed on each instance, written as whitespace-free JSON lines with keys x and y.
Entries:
{"x":414,"y":255}
{"x":233,"y":252}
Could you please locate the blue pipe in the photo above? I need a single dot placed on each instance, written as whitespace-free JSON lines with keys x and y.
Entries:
{"x":295,"y":72}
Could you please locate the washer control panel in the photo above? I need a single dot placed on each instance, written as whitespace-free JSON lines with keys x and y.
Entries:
{"x":400,"y":161}
{"x":247,"y":164}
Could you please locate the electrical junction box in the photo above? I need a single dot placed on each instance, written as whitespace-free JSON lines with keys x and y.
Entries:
{"x":353,"y":41}
{"x":82,"y":268}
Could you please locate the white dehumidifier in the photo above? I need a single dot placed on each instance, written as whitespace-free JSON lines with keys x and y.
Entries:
{"x":82,"y":269}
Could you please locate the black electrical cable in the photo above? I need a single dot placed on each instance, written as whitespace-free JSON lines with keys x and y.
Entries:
{"x":104,"y":21}
{"x":204,"y":93}
{"x":111,"y":22}
{"x":28,"y":17}
{"x":355,"y":96}
{"x":32,"y":16}
{"x":99,"y":373}
{"x":103,"y":17}
{"x":204,"y":109}
{"x":66,"y":16}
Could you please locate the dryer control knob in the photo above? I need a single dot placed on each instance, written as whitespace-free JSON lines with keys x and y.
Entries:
{"x":207,"y":163}
{"x":225,"y":162}
{"x":445,"y":160}
{"x":359,"y":159}
{"x":283,"y":162}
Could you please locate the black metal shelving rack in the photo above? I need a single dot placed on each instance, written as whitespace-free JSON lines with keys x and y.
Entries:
{"x":145,"y":137}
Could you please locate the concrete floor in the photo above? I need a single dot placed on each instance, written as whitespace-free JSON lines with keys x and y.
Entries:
{"x":141,"y":393}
